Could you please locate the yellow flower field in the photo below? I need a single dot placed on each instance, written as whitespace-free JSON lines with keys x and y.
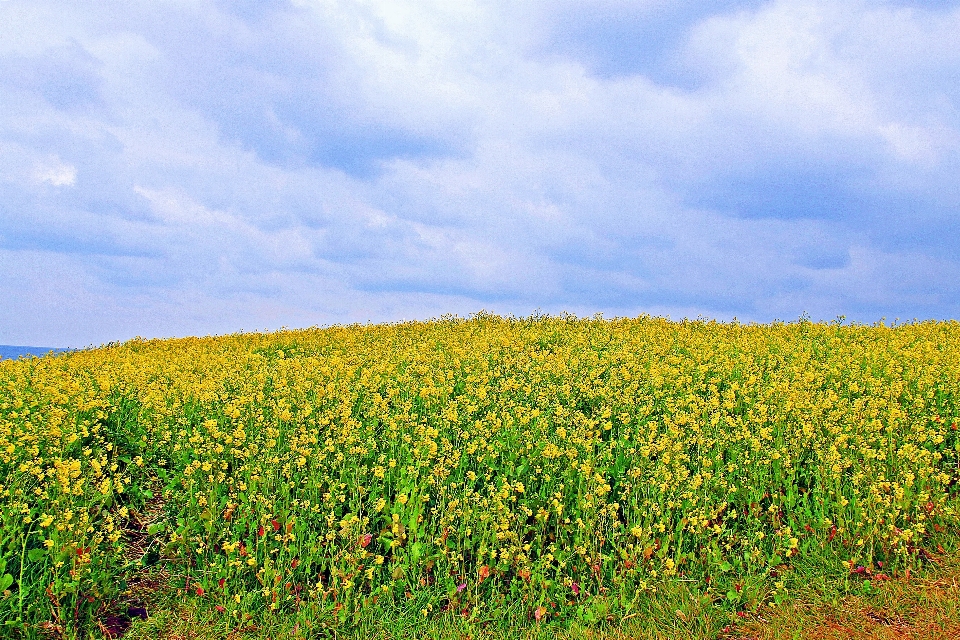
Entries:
{"x":560,"y":467}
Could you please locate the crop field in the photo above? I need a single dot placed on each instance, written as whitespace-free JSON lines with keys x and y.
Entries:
{"x":541,"y":471}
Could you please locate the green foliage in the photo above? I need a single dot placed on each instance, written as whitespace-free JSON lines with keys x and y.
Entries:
{"x":527,"y":472}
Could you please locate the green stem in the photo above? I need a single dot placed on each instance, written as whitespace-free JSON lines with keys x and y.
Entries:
{"x":23,"y":555}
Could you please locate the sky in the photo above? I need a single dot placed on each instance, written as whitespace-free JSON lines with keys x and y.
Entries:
{"x":194,"y":167}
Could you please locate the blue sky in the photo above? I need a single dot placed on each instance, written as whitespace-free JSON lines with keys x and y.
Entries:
{"x":192,"y":167}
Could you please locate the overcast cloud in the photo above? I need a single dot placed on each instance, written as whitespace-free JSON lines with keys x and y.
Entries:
{"x":193,"y":167}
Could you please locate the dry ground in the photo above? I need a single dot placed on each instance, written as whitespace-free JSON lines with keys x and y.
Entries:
{"x":914,"y":608}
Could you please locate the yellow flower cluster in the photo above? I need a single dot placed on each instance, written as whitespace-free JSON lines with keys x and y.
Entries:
{"x":549,"y":460}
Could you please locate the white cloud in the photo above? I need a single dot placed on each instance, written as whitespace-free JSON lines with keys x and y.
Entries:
{"x":55,"y":172}
{"x":329,"y":161}
{"x":811,"y":69}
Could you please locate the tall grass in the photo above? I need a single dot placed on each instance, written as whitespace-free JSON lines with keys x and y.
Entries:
{"x":535,"y":470}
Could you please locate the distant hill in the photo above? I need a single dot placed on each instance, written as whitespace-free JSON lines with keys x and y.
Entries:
{"x":9,"y":352}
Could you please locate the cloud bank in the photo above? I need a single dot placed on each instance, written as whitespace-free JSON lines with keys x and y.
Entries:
{"x":173,"y":167}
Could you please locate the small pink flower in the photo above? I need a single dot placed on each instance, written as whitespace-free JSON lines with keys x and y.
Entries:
{"x":576,"y":588}
{"x":461,"y":587}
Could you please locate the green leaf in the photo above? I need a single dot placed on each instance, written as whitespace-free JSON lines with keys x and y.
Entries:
{"x":416,"y":550}
{"x":155,"y":528}
{"x":36,"y":555}
{"x":726,"y":566}
{"x":732,"y":595}
{"x":6,"y":581}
